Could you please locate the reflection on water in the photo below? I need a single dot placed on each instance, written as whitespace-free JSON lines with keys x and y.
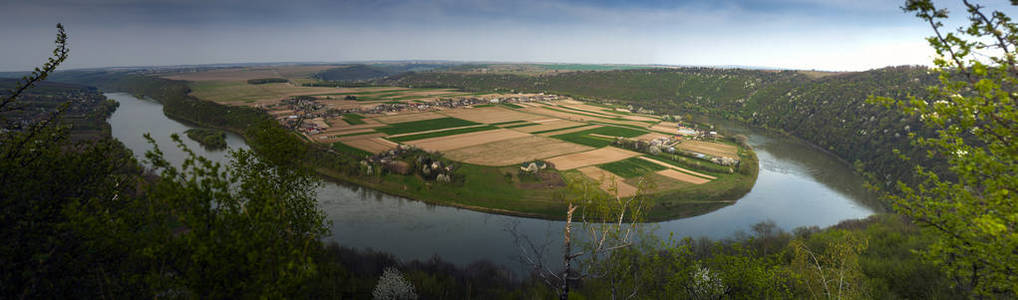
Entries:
{"x":797,"y":186}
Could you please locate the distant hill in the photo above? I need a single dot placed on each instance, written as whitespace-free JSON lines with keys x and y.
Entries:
{"x":362,"y":72}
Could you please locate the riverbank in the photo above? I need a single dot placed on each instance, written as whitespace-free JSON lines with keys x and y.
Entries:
{"x":796,"y":187}
{"x":486,"y":189}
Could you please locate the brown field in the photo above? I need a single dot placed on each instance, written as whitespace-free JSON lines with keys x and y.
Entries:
{"x":447,"y":143}
{"x":593,"y":157}
{"x":578,"y":116}
{"x":331,"y":138}
{"x":490,"y":115}
{"x":429,"y":93}
{"x":373,"y":144}
{"x":668,"y":127}
{"x":651,"y":136}
{"x":606,"y":178}
{"x":243,"y":74}
{"x":347,"y":131}
{"x":223,"y":91}
{"x":320,"y":122}
{"x":569,"y":130}
{"x":407,"y":117}
{"x":514,"y":151}
{"x":671,"y":166}
{"x":639,"y":118}
{"x":341,"y":127}
{"x":601,"y":110}
{"x":673,"y":174}
{"x":550,"y":125}
{"x":715,"y":149}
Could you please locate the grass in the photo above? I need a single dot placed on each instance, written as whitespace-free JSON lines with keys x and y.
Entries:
{"x":424,"y":125}
{"x":441,"y":133}
{"x":510,"y":105}
{"x":353,"y":119}
{"x":584,"y":137}
{"x":631,"y":167}
{"x":339,"y":146}
{"x":484,"y":105}
{"x":558,"y":129}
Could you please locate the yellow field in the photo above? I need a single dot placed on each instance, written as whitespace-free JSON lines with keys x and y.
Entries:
{"x":514,"y":151}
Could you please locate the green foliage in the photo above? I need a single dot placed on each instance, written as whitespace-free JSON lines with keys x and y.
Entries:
{"x":631,"y":167}
{"x":441,"y":133}
{"x":248,"y":228}
{"x":209,"y":138}
{"x":267,"y":80}
{"x":424,"y":125}
{"x":970,"y":205}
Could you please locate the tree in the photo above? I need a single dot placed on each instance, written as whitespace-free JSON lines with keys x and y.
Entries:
{"x":612,"y":229}
{"x":971,"y":206}
{"x":41,"y":173}
{"x":393,"y":286}
{"x":82,"y":220}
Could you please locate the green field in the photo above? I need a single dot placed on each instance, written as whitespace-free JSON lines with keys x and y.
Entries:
{"x":339,"y":146}
{"x":584,"y":137}
{"x":631,"y":167}
{"x":353,"y":119}
{"x":424,"y":125}
{"x":510,"y":105}
{"x":441,"y":133}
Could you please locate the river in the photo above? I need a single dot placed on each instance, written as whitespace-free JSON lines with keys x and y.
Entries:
{"x":797,"y":186}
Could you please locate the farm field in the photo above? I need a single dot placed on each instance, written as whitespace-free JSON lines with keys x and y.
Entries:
{"x":230,"y":86}
{"x":493,"y":135}
{"x":514,"y":151}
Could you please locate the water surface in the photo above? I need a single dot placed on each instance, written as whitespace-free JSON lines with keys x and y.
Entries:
{"x":797,"y":186}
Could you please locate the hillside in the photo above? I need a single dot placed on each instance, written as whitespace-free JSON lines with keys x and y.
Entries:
{"x":830,"y":111}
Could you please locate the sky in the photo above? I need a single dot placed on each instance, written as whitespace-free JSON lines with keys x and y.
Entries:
{"x":834,"y":35}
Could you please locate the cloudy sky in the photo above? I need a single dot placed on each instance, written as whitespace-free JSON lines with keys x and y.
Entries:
{"x":800,"y":34}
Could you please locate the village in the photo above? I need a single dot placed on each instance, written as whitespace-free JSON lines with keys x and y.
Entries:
{"x":533,"y":131}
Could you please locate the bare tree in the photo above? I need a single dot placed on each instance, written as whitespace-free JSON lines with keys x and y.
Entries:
{"x":610,"y":222}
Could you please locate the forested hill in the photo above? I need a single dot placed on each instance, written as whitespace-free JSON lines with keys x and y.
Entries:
{"x":830,"y":112}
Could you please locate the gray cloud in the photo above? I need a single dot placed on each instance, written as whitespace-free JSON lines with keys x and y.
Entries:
{"x":836,"y":34}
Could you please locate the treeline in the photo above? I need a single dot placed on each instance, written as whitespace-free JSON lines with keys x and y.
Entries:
{"x":267,"y":80}
{"x":867,"y":259}
{"x":830,"y":112}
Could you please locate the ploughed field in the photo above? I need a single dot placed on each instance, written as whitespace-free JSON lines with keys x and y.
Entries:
{"x":499,"y":134}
